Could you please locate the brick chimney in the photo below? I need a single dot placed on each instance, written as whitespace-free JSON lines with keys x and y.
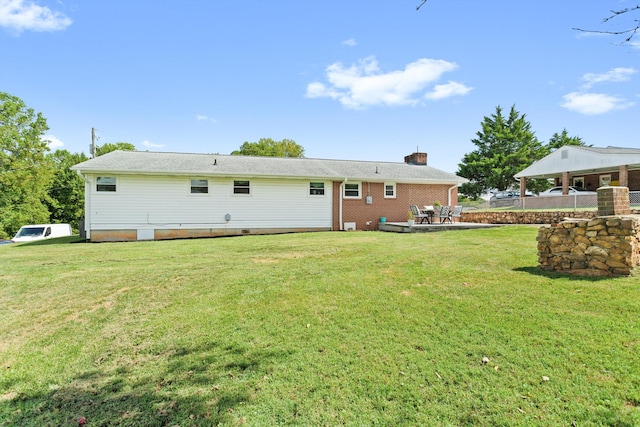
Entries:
{"x":416,"y":159}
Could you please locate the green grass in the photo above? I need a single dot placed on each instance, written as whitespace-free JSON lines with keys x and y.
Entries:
{"x":362,"y":328}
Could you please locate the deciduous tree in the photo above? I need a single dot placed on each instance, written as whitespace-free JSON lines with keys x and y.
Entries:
{"x":25,"y":170}
{"x":270,"y":148}
{"x":66,"y":194}
{"x":629,"y":31}
{"x":113,"y":146}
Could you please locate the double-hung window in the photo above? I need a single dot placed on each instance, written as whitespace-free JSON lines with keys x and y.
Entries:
{"x":106,"y":183}
{"x":241,"y":187}
{"x":316,"y":188}
{"x":352,"y":190}
{"x":199,"y":186}
{"x":389,"y":190}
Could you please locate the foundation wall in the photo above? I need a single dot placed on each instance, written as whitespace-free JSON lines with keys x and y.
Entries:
{"x":98,"y":236}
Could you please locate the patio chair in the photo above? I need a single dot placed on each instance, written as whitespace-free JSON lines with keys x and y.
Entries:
{"x":457,"y":212}
{"x":418,"y":215}
{"x":444,"y":214}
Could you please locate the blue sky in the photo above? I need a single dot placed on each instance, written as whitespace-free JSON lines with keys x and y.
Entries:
{"x":346,"y":79}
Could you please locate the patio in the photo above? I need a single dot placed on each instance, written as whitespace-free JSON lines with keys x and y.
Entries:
{"x":403,"y":227}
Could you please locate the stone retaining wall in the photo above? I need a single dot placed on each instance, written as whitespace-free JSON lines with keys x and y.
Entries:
{"x":526,"y":217}
{"x":603,"y":246}
{"x":523,"y":217}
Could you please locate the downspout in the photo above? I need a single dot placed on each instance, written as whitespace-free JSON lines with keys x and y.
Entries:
{"x":449,"y":195}
{"x":340,"y":204}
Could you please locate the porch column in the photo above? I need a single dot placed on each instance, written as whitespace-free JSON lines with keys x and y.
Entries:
{"x":624,"y":176}
{"x":523,"y":188}
{"x":565,"y":183}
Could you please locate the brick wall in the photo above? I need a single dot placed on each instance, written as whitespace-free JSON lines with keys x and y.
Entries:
{"x":395,"y":210}
{"x":592,"y":182}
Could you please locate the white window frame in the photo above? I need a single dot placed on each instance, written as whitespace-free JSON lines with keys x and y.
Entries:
{"x":344,"y":190}
{"x":235,"y":186}
{"x":394,"y":188}
{"x":191,"y":187}
{"x":115,"y":184}
{"x":604,"y":180}
{"x":317,"y":191}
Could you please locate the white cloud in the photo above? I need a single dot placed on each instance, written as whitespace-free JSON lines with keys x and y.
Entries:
{"x":594,"y":103}
{"x":20,"y":15}
{"x":616,"y":75}
{"x":350,"y":42}
{"x":149,"y":144}
{"x":448,"y":90}
{"x":363,"y":84}
{"x":202,"y":118}
{"x":53,"y":142}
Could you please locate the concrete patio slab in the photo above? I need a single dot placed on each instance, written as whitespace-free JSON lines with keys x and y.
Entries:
{"x":403,"y":227}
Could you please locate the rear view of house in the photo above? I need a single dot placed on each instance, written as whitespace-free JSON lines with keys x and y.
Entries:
{"x":131,"y":195}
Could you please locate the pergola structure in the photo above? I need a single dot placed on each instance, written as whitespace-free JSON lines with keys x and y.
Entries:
{"x":587,"y":168}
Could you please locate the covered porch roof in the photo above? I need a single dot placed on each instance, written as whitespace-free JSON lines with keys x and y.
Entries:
{"x":582,"y":160}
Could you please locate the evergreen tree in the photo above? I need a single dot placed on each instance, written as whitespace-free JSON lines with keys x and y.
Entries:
{"x":558,"y":140}
{"x":506,"y":145}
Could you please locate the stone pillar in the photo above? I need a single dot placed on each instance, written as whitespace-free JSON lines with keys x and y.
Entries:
{"x":613,"y":201}
{"x":624,"y":176}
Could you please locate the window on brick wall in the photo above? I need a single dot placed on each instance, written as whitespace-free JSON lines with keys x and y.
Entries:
{"x":389,"y":190}
{"x":352,"y":190}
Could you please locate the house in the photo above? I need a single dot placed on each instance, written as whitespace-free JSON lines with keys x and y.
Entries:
{"x":139,"y":195}
{"x":587,"y":167}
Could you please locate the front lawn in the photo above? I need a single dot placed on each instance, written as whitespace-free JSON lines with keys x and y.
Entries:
{"x":357,"y":328}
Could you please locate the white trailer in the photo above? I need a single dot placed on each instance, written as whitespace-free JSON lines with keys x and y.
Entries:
{"x":29,"y":233}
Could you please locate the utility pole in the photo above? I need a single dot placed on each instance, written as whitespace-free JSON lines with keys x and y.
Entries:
{"x":93,"y":143}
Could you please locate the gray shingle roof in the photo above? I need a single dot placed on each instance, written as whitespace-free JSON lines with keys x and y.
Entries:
{"x":156,"y":163}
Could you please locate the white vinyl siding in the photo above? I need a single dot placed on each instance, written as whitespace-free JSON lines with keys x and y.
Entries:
{"x":161,"y":202}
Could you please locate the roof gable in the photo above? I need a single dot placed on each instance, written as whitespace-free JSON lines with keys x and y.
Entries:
{"x":579,"y":159}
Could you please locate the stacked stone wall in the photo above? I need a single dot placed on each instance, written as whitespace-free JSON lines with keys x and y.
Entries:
{"x":523,"y":217}
{"x":526,"y":217}
{"x":603,"y":246}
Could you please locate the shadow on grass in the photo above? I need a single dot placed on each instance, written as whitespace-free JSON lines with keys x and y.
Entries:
{"x":200,"y":386}
{"x":537,"y":271}
{"x":47,"y":242}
